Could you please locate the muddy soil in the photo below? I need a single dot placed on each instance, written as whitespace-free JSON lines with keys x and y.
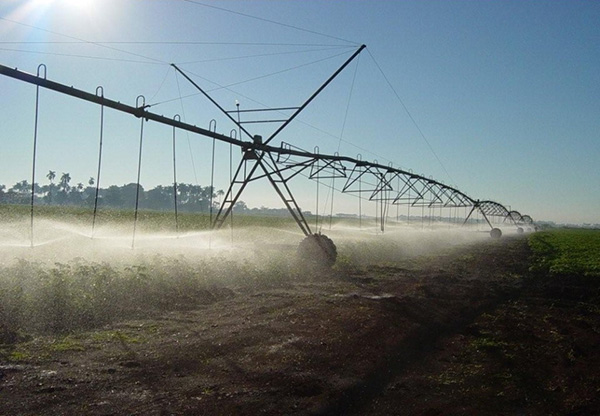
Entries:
{"x":468,"y":332}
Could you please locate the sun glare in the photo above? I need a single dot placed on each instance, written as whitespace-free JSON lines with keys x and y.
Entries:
{"x":81,"y":4}
{"x":72,"y":4}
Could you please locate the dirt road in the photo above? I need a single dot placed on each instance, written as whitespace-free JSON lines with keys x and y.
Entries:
{"x":466,"y":332}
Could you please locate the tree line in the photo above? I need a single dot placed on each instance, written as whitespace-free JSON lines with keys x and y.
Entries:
{"x":61,"y":191}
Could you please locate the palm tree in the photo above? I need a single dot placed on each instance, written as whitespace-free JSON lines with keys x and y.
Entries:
{"x":64,"y":182}
{"x":63,"y":186}
{"x":51,"y":175}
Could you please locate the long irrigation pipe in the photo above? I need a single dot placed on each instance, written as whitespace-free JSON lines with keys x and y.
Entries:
{"x":141,"y":112}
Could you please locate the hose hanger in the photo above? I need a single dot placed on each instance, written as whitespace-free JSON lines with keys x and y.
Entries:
{"x":35,"y":135}
{"x":99,"y":93}
{"x":140,"y":103}
{"x":212,"y":126}
{"x":176,"y":117}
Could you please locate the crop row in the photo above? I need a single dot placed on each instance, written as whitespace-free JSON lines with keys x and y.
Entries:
{"x":567,"y":252}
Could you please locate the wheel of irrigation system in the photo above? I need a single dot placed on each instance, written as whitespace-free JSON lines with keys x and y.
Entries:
{"x":520,"y":230}
{"x":496,"y":233}
{"x":318,"y":250}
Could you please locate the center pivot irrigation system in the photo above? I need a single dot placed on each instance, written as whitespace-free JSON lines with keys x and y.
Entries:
{"x":386,"y":185}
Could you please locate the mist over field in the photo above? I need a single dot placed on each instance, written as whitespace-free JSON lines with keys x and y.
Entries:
{"x":56,"y":241}
{"x":62,"y":274}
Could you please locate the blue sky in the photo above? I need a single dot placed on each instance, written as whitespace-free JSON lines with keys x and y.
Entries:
{"x":506,"y":93}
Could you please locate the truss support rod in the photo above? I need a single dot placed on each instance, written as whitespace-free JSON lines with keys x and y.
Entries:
{"x":470,"y":213}
{"x":213,"y":101}
{"x":512,"y":219}
{"x":287,"y":198}
{"x":486,"y":218}
{"x":477,"y":206}
{"x":223,"y":212}
{"x":260,"y":110}
{"x":277,"y":181}
{"x":317,"y":92}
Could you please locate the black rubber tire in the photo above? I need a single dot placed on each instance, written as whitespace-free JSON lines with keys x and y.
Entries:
{"x":496,"y":233}
{"x":318,"y":250}
{"x":520,"y":230}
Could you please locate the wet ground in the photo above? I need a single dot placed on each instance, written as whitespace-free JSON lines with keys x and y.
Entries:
{"x":469,"y":331}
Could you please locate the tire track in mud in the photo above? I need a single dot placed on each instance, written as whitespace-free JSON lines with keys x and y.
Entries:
{"x":414,"y":349}
{"x":447,"y":305}
{"x":328,"y":345}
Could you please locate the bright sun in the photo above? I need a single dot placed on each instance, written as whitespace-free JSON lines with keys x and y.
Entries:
{"x":73,"y":4}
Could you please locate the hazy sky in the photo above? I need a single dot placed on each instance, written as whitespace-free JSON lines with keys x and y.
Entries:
{"x":506,"y":93}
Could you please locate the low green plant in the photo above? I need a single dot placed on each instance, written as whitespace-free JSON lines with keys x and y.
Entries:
{"x":488,"y":343}
{"x":67,"y":343}
{"x":114,"y":336}
{"x":80,"y":295}
{"x":17,"y":356}
{"x":567,"y":252}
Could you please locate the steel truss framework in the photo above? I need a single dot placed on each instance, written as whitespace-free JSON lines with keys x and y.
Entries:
{"x":384,"y":184}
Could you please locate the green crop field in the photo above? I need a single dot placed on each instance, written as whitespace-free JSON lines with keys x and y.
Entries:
{"x":147,"y":220}
{"x":62,"y":296}
{"x":567,"y":252}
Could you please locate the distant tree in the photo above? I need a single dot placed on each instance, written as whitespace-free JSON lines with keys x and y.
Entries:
{"x":240,"y":206}
{"x":22,"y":187}
{"x":49,"y":190}
{"x":208,"y":192}
{"x":112,"y":196}
{"x":64,"y":187}
{"x":64,"y":182}
{"x":128,"y":193}
{"x":159,"y":198}
{"x":19,"y":193}
{"x":90,"y":191}
{"x":190,"y":198}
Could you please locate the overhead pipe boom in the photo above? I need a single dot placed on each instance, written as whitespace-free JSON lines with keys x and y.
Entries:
{"x":141,"y":112}
{"x":427,"y":191}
